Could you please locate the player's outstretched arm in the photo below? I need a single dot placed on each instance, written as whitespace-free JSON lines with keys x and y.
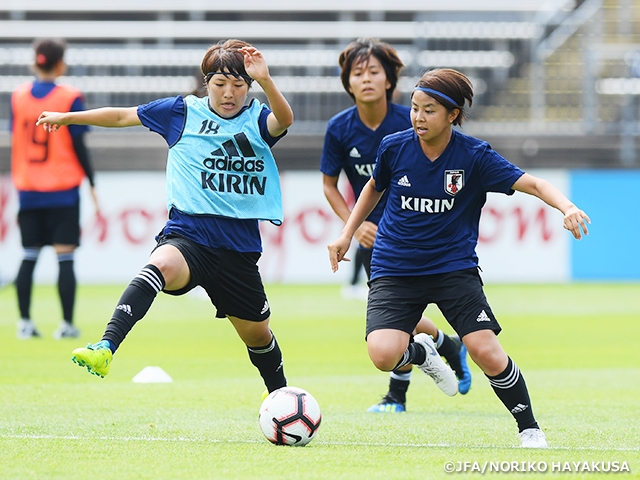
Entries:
{"x":366,"y":233}
{"x":281,"y":117}
{"x":369,"y":198}
{"x":574,"y":218}
{"x":100,"y":117}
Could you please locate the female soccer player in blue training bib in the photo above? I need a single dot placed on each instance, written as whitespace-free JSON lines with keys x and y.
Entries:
{"x":221,"y":180}
{"x":369,"y":74}
{"x":437,"y":180}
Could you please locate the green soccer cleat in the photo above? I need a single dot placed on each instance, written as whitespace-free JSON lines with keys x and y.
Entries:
{"x":97,"y":358}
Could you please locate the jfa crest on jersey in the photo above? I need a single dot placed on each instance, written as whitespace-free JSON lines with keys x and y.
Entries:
{"x":453,"y":181}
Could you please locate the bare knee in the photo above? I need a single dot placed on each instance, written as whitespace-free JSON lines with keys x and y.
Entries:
{"x":253,"y":334}
{"x":386,"y":348}
{"x":485,"y":350}
{"x":383,"y":361}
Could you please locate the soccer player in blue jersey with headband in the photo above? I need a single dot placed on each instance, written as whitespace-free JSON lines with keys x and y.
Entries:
{"x":369,"y":74}
{"x":436,"y":179}
{"x":221,"y":180}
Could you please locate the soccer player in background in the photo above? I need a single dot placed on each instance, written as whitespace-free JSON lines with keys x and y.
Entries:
{"x":369,"y":74}
{"x":221,"y":180}
{"x":437,"y":179}
{"x":47,"y":170}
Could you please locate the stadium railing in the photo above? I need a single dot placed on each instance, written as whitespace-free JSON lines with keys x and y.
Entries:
{"x":121,"y":53}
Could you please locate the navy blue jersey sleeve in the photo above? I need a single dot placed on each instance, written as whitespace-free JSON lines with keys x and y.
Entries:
{"x":165,"y":116}
{"x":331,"y":162}
{"x":77,"y":130}
{"x":498,"y":174}
{"x":264,"y":130}
{"x":382,"y":170}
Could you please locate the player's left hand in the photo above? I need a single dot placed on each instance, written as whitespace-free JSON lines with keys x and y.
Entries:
{"x":575,"y":218}
{"x":254,"y":63}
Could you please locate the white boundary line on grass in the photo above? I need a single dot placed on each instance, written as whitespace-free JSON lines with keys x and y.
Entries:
{"x":318,"y":442}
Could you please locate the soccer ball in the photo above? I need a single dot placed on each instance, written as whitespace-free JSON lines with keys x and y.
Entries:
{"x":290,"y":416}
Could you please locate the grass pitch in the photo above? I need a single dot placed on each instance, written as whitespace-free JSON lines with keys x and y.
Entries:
{"x":576,"y":344}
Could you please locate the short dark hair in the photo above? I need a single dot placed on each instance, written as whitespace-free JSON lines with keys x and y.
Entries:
{"x":224,"y":57}
{"x":451,"y":83}
{"x":362,"y":49}
{"x":49,"y":52}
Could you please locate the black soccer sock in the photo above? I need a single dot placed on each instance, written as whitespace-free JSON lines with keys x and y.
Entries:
{"x":134,"y":304}
{"x":66,"y":285}
{"x":398,"y":385}
{"x":268,"y":361}
{"x":511,"y":389}
{"x":357,"y":267}
{"x":448,"y":349}
{"x":24,"y":281}
{"x":414,"y":354}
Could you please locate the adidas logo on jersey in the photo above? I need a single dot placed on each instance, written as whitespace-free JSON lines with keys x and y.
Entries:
{"x":483,"y":317}
{"x":125,"y":308}
{"x":354,"y":153}
{"x":404,"y":182}
{"x":519,"y":408}
{"x":235,"y":155}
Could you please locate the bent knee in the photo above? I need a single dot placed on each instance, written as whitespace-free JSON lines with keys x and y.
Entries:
{"x":491,"y":360}
{"x":384,"y":360}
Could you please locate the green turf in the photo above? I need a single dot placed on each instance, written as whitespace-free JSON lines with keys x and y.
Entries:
{"x":577,"y":346}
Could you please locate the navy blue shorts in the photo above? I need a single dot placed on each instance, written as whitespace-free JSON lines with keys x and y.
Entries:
{"x":231,"y":279}
{"x":398,"y":303}
{"x":50,"y":226}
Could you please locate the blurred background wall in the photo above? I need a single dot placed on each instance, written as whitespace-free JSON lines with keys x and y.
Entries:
{"x":556,"y":83}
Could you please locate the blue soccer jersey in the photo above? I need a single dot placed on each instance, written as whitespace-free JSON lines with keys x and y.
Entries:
{"x":351,"y":146}
{"x":431,"y":218}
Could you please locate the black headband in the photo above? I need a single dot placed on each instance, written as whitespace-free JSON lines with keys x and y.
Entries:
{"x":246,"y":78}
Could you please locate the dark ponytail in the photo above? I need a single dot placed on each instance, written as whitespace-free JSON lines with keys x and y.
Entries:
{"x":49,"y":53}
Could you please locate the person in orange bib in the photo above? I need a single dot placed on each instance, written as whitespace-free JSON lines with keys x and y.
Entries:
{"x":47,"y":171}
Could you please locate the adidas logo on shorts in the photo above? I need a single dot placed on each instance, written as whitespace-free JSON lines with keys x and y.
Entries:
{"x":483,"y":317}
{"x":265,"y":308}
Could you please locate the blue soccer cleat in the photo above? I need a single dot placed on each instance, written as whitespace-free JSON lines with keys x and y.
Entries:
{"x":387,"y":405}
{"x":464,"y":376}
{"x":464,"y":382}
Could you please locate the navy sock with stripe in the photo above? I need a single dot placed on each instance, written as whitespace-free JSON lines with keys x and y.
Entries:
{"x":24,"y":281}
{"x":67,"y":285}
{"x":511,"y":389}
{"x":268,"y":361}
{"x":134,"y":304}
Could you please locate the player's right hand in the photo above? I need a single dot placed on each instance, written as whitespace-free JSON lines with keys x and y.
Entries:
{"x":50,"y":121}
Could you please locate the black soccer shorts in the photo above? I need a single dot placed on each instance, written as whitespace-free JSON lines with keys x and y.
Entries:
{"x":398,"y":302}
{"x":50,"y":226}
{"x":231,"y":279}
